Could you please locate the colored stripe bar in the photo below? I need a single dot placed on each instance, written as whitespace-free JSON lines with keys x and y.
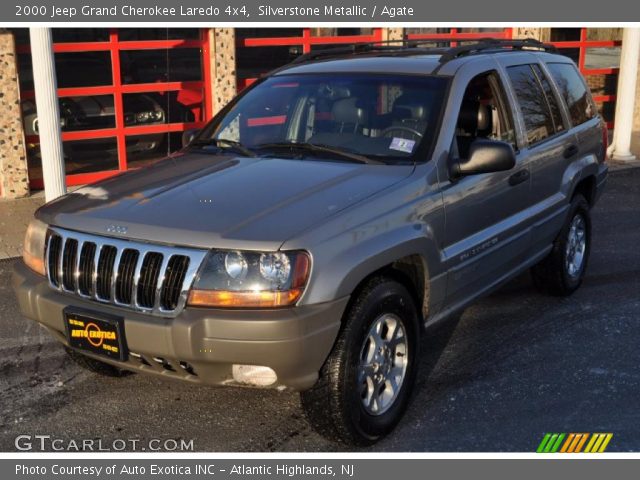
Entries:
{"x":551,"y":443}
{"x":590,"y":444}
{"x":543,"y":443}
{"x":556,"y":446}
{"x":581,"y":443}
{"x":570,"y":438}
{"x":604,"y":445}
{"x":574,"y":444}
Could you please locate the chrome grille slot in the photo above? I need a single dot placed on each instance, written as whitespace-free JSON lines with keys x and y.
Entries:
{"x":148,"y":279}
{"x":69,"y":253}
{"x":124,"y":280}
{"x":154,"y":279}
{"x":53,"y":258}
{"x":105,"y":271}
{"x":85,"y":269}
{"x":174,"y":278}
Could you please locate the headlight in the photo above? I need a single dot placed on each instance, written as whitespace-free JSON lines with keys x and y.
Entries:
{"x":250,"y":279}
{"x":150,"y":116}
{"x":143,"y":117}
{"x":34,"y":243}
{"x":157,"y":115}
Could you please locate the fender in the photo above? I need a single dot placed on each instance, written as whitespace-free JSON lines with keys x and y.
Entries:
{"x":341,"y":273}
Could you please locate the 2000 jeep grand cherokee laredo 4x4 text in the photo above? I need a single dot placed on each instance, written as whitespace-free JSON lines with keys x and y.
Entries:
{"x":306,"y":235}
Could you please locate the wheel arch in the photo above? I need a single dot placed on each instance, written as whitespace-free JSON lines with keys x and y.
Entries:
{"x":407,"y":264}
{"x":587,"y":188}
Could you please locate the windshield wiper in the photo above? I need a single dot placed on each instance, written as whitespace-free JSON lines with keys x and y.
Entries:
{"x":316,"y":147}
{"x":224,"y":144}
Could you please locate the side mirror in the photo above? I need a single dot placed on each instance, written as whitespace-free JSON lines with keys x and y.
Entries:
{"x":485,"y":156}
{"x":188,"y":136}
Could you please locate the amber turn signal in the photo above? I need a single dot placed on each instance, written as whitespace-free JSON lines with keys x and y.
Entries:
{"x":228,"y":299}
{"x":34,"y":263}
{"x":33,"y":249}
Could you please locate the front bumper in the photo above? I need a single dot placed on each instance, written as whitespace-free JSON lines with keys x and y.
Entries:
{"x":294,"y":342}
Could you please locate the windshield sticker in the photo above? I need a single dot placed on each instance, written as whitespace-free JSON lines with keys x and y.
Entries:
{"x":402,"y":144}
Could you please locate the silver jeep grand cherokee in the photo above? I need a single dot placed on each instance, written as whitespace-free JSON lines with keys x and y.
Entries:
{"x":306,"y":236}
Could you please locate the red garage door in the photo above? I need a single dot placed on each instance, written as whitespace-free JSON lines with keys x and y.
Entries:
{"x":259,"y":50}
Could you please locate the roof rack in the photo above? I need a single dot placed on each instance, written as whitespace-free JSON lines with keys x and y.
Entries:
{"x":496,"y":45}
{"x":411,"y":47}
{"x":363,"y":47}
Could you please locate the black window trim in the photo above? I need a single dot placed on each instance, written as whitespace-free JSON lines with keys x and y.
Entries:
{"x":496,"y":81}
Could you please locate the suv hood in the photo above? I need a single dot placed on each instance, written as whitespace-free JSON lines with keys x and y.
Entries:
{"x":210,"y":201}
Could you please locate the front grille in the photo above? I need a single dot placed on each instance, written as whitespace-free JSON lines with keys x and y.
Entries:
{"x":134,"y":275}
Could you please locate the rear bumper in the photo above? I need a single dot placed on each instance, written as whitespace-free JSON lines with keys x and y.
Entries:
{"x":294,"y":342}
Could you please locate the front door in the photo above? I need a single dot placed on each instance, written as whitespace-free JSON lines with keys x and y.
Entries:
{"x":485,"y":235}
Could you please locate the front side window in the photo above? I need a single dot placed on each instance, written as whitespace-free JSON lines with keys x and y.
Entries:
{"x":484,"y":114}
{"x":573,"y":91}
{"x":538,"y":117}
{"x":382,"y":117}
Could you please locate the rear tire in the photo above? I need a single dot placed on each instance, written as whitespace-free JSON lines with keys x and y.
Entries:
{"x":365,"y":384}
{"x":96,"y":366}
{"x":562,"y":271}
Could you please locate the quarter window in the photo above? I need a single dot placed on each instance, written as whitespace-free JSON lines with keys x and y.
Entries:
{"x":537,"y":115}
{"x":573,"y":91}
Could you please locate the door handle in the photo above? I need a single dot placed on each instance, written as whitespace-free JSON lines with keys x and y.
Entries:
{"x":570,"y":151}
{"x":519,"y":177}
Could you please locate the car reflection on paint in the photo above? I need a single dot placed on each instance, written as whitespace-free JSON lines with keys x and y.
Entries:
{"x":96,"y":112}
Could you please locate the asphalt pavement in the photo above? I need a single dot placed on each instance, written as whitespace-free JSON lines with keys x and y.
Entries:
{"x":495,"y":378}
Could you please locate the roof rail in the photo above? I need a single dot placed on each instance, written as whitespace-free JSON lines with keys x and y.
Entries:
{"x":362,"y":47}
{"x":411,"y":47}
{"x":498,"y":45}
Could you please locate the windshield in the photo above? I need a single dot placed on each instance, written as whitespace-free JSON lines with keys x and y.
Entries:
{"x":389,"y":118}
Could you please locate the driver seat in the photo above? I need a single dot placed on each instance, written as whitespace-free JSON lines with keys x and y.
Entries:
{"x":474,"y":122}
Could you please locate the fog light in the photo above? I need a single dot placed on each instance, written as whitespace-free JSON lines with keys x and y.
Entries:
{"x":254,"y":375}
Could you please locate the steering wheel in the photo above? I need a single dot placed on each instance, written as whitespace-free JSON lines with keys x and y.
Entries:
{"x":400,"y":128}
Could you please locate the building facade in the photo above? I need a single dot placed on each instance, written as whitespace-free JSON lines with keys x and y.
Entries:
{"x":126,"y":95}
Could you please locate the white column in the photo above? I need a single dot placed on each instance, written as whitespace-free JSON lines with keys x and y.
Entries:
{"x":626,"y":95}
{"x":45,"y":84}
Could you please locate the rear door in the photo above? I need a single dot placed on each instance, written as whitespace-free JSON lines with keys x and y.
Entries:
{"x":549,"y":146}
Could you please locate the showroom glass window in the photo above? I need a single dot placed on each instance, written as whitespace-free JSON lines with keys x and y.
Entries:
{"x":125,"y":95}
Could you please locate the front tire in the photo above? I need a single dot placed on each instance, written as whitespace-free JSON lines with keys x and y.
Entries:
{"x":365,"y":384}
{"x":562,"y":271}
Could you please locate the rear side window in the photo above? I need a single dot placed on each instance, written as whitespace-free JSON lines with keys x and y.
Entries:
{"x":573,"y":91}
{"x":536,"y":112}
{"x":552,"y":101}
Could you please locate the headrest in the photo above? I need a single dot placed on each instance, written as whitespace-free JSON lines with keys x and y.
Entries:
{"x":339,"y":91}
{"x":474,"y":116}
{"x":347,"y":111}
{"x":407,"y":107}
